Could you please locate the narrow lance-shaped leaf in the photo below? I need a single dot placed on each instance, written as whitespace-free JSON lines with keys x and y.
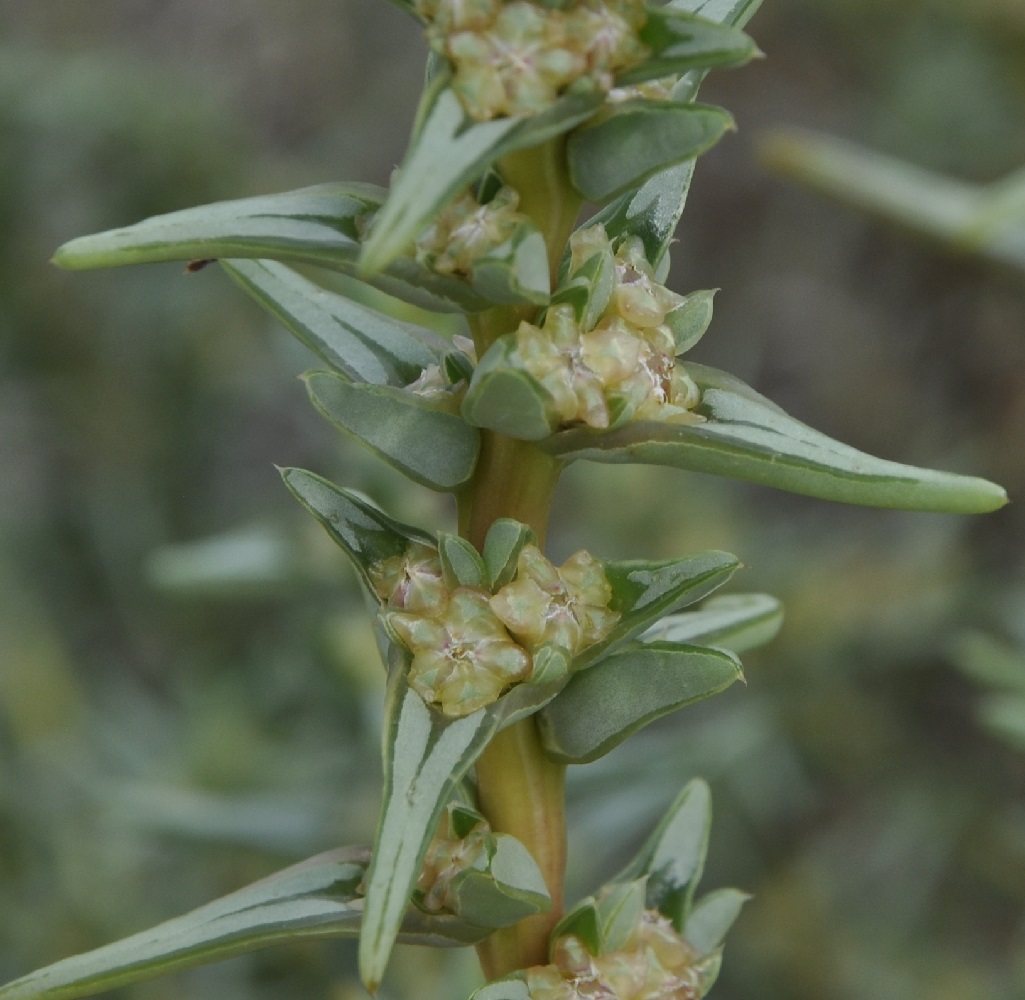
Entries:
{"x":653,"y":211}
{"x":318,"y":898}
{"x":318,"y":225}
{"x":626,"y":690}
{"x":636,"y":139}
{"x":642,"y":592}
{"x":430,"y":445}
{"x":745,"y":436}
{"x":448,"y":151}
{"x":358,"y":341}
{"x":674,"y":854}
{"x":712,"y":916}
{"x":737,"y":622}
{"x":680,"y":41}
{"x":365,"y":532}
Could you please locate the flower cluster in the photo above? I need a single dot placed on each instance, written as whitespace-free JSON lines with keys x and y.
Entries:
{"x":624,"y":367}
{"x":470,"y":646}
{"x":464,"y":231}
{"x":515,"y":58}
{"x":656,"y":964}
{"x":448,"y":855}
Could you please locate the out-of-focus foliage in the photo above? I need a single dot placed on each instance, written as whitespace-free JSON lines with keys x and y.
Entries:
{"x":159,"y":748}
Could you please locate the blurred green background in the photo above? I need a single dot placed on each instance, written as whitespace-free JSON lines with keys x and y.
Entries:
{"x":177,"y":720}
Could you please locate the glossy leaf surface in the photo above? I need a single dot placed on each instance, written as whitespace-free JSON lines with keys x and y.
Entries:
{"x":358,"y":341}
{"x":600,"y":707}
{"x":431,"y":446}
{"x":745,"y":436}
{"x":637,"y":139}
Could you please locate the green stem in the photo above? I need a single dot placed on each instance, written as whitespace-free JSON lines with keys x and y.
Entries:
{"x":522,"y":792}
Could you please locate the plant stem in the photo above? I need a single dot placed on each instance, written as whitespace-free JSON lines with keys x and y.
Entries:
{"x":522,"y":792}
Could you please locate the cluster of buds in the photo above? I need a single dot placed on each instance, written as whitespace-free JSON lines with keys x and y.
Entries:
{"x":447,"y":855}
{"x":657,"y":963}
{"x":464,"y":231}
{"x":470,"y":646}
{"x":622,"y":368}
{"x":515,"y":58}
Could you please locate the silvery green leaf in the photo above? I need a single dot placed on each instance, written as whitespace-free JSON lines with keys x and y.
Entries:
{"x":653,"y":211}
{"x":362,"y":343}
{"x":737,"y":622}
{"x":624,"y":691}
{"x":507,"y":399}
{"x":317,"y":898}
{"x":510,"y":889}
{"x":425,"y":442}
{"x":643,"y":592}
{"x":516,"y":271}
{"x":583,"y":921}
{"x":426,"y":756}
{"x":674,"y":855}
{"x":502,"y":546}
{"x":461,"y":563}
{"x":448,"y":152}
{"x":619,"y":911}
{"x":365,"y":532}
{"x":745,"y":436}
{"x":511,"y":988}
{"x":621,"y":149}
{"x":711,"y":917}
{"x":689,"y":321}
{"x":680,"y":41}
{"x":316,"y":225}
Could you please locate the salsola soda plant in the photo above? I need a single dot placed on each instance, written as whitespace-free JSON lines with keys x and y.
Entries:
{"x":504,"y":668}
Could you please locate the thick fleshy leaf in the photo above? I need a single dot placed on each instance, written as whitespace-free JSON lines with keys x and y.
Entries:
{"x":461,"y":563}
{"x":426,"y":755}
{"x":318,"y":898}
{"x":316,"y":225}
{"x":643,"y":592}
{"x":511,"y":889}
{"x":365,"y":532}
{"x":449,"y":151}
{"x":513,"y":988}
{"x":430,"y":445}
{"x":674,"y":855}
{"x":712,"y":916}
{"x":654,"y":209}
{"x":745,"y":436}
{"x":516,"y":271}
{"x":358,"y":341}
{"x":737,"y":622}
{"x":619,"y":911}
{"x":690,"y":321}
{"x":635,"y":140}
{"x":681,"y":41}
{"x":600,"y":707}
{"x":507,"y":399}
{"x":502,"y":546}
